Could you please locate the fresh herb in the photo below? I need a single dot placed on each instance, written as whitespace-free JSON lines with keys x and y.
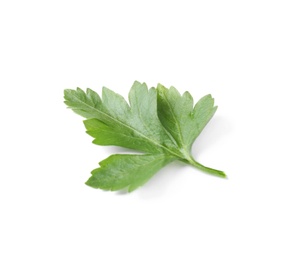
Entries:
{"x":160,"y":122}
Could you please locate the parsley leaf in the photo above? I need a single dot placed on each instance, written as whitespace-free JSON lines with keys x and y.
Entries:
{"x":158,"y":122}
{"x":185,"y":122}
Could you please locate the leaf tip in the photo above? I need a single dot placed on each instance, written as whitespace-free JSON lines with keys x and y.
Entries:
{"x":67,"y":92}
{"x":159,"y":85}
{"x":104,"y":89}
{"x":79,"y":90}
{"x":131,"y":188}
{"x":89,"y":90}
{"x":136,"y":82}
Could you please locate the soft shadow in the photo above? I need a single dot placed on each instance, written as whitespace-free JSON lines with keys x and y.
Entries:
{"x":212,"y":134}
{"x":160,"y":183}
{"x":122,"y":192}
{"x":120,"y":150}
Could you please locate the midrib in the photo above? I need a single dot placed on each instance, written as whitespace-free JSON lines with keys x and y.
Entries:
{"x":177,"y":123}
{"x":133,"y":129}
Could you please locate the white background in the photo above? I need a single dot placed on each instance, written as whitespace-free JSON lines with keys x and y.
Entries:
{"x":234,"y":50}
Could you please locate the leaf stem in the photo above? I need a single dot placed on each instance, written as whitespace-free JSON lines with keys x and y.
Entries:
{"x":190,"y":160}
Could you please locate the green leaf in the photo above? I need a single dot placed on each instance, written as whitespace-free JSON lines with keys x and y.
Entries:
{"x":174,"y":112}
{"x":178,"y":116}
{"x":126,"y":170}
{"x":159,"y":122}
{"x":137,"y":124}
{"x":185,"y":122}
